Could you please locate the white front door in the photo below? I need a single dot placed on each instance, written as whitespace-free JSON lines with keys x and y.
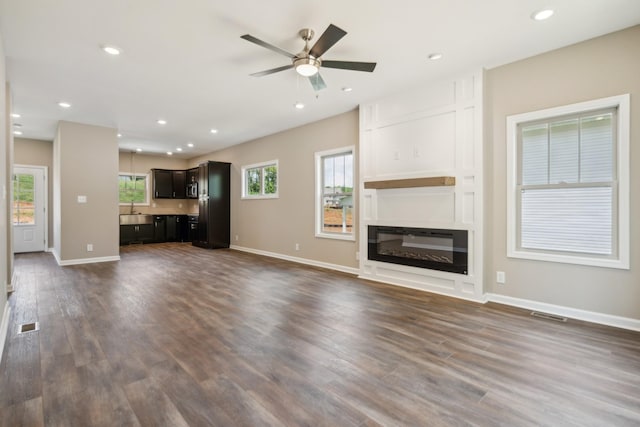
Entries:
{"x":29,"y":208}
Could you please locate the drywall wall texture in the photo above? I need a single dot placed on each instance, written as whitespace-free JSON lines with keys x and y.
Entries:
{"x":4,"y":191}
{"x":35,"y":152}
{"x":142,"y":164}
{"x":276,"y":225}
{"x":598,"y":68}
{"x":85,"y":165}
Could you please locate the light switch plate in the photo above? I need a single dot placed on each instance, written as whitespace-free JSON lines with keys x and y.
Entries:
{"x":82,"y":199}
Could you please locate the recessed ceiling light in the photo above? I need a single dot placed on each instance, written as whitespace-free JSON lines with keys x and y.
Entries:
{"x":119,"y":135}
{"x":64,"y":104}
{"x":111,"y":50}
{"x":542,"y":15}
{"x":214,"y":131}
{"x":17,"y":132}
{"x":347,"y":89}
{"x":299,"y":105}
{"x":190,"y":144}
{"x":435,"y":56}
{"x":169,"y":153}
{"x":138,"y":149}
{"x":15,"y":115}
{"x":161,"y":122}
{"x":178,"y":149}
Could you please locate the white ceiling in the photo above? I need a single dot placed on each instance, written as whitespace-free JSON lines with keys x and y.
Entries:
{"x":184,"y":61}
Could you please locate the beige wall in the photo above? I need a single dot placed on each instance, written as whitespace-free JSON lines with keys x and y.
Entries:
{"x":5,"y":241}
{"x":276,"y":225}
{"x":85,"y":163}
{"x":143,"y":163}
{"x":598,"y":68}
{"x":35,"y":152}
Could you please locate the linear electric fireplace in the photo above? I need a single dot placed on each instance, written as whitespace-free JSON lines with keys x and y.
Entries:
{"x":433,"y":248}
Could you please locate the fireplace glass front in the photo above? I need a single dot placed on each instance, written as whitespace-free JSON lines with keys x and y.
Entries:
{"x":436,"y":249}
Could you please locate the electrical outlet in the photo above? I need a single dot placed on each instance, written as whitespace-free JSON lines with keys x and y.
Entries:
{"x":236,"y":237}
{"x":500,"y":277}
{"x":89,"y":247}
{"x":297,"y":246}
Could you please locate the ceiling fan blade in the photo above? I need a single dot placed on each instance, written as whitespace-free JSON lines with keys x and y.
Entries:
{"x":317,"y":82}
{"x":264,"y":44}
{"x":349,"y":65}
{"x":330,"y":37}
{"x":271,"y":71}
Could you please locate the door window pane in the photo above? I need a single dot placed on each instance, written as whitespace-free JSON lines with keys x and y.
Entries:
{"x":23,"y":199}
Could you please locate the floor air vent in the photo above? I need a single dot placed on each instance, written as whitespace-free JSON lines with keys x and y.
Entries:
{"x":548,"y":316}
{"x":28,"y":327}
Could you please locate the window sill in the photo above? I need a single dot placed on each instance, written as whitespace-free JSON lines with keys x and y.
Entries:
{"x":571,"y":259}
{"x":347,"y":237}
{"x":273,"y":196}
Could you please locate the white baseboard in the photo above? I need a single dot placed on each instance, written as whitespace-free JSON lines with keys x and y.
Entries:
{"x":11,"y":286}
{"x":572,"y":313}
{"x":306,"y":261}
{"x":78,"y":261}
{"x":4,"y":327}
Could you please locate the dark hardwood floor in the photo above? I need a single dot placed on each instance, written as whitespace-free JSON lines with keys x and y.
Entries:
{"x":174,"y":335}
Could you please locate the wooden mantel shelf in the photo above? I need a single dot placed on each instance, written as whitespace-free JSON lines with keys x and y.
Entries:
{"x":435,"y":181}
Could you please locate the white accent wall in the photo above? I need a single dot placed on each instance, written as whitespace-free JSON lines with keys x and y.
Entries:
{"x":430,"y":131}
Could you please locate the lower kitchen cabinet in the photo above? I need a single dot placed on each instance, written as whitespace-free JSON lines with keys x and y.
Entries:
{"x":164,"y":228}
{"x":159,"y":228}
{"x":176,"y":228}
{"x":141,"y":233}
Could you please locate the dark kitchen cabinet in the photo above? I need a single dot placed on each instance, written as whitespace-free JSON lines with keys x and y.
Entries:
{"x":192,"y":228}
{"x":159,"y":228}
{"x":141,"y":233}
{"x":162,"y":184}
{"x":169,"y":184}
{"x":176,"y":228}
{"x":214,"y":204}
{"x":179,"y":180}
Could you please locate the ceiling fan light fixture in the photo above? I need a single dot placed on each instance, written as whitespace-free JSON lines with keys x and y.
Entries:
{"x":307,"y":67}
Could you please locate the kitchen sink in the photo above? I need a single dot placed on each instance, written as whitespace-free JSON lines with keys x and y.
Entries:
{"x":135,"y":219}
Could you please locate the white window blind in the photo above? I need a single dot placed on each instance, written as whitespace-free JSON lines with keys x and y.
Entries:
{"x":566,"y":186}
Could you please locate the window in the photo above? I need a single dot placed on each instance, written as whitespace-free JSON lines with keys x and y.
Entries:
{"x":334,"y":193}
{"x":568,"y":184}
{"x":133,"y":189}
{"x":260,"y":181}
{"x":23,"y":199}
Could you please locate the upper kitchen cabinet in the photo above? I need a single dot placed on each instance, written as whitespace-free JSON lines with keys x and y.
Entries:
{"x":169,"y":184}
{"x":179,"y":184}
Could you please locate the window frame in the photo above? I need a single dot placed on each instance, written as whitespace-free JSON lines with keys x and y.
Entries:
{"x":319,"y":194}
{"x":147,"y":191}
{"x":262,"y":166}
{"x":620,"y":185}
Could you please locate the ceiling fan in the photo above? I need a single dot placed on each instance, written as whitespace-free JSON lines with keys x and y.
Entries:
{"x":307,"y":63}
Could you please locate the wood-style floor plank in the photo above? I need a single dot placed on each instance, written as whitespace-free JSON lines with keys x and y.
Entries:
{"x":181,"y":336}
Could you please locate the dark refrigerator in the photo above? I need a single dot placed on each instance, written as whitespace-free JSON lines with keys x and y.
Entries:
{"x":214,"y":204}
